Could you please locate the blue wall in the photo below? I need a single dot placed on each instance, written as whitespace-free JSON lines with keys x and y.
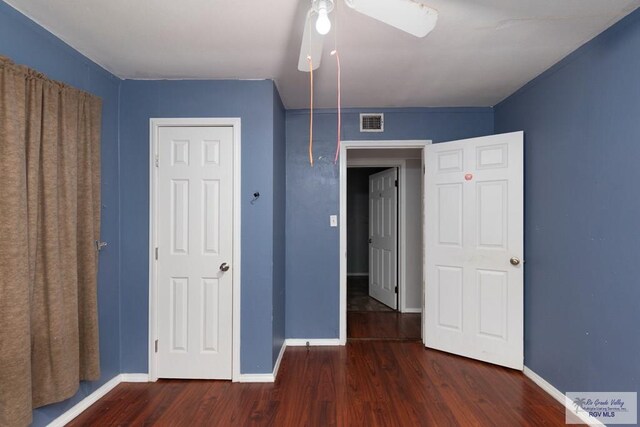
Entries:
{"x":581,"y":121}
{"x":279,"y":213}
{"x":312,"y":275}
{"x":253,"y":102}
{"x":29,"y":44}
{"x":582,"y":240}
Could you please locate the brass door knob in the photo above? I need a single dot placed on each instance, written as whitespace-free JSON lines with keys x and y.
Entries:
{"x":224,"y":267}
{"x":514,"y":261}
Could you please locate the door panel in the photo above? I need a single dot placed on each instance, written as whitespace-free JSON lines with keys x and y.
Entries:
{"x":450,"y":215}
{"x":449,"y":297}
{"x":194,"y":234}
{"x":473,"y":227}
{"x":178,"y":313}
{"x":383,"y":232}
{"x":491,"y":211}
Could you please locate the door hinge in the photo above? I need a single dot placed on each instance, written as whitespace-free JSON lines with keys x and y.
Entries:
{"x":396,"y":182}
{"x":396,"y":289}
{"x":424,"y":169}
{"x":155,"y":345}
{"x":157,"y":161}
{"x":156,"y":253}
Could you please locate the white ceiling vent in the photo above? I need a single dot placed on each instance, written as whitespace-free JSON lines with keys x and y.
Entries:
{"x":371,"y":122}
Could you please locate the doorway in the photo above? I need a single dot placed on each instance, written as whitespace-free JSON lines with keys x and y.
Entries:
{"x":472,"y":240}
{"x":383,"y":274}
{"x":373,"y":258}
{"x":359,"y":296}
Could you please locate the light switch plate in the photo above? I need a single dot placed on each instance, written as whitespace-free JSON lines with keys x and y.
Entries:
{"x":333,"y":220}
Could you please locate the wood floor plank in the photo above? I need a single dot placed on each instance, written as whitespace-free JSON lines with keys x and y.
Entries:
{"x":383,"y":325}
{"x":365,"y":383}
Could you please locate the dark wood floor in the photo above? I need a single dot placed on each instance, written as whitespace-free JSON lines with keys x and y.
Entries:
{"x":358,"y":298}
{"x":383,"y":377}
{"x":366,"y":383}
{"x":383,"y":326}
{"x":369,"y":319}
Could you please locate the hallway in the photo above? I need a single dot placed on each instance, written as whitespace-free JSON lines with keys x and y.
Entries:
{"x":369,"y":319}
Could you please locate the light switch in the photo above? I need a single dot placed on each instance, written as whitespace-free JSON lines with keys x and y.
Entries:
{"x":333,"y":220}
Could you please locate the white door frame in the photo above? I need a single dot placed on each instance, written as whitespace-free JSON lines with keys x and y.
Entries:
{"x":154,"y":127}
{"x":363,"y":145}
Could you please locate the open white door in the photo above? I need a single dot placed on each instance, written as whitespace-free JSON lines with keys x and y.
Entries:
{"x":383,"y":237}
{"x":474,"y":247}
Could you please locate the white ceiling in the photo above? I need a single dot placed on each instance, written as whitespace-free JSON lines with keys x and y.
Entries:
{"x":480,"y":52}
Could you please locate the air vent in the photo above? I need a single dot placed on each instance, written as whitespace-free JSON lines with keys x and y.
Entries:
{"x":371,"y":122}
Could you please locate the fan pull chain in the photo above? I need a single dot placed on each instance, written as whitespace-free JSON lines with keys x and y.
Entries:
{"x":337,"y":55}
{"x":310,"y":110}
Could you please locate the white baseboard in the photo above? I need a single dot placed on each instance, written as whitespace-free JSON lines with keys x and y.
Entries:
{"x":256,"y":378}
{"x":357,"y":274}
{"x":313,"y":342}
{"x":412,"y":310}
{"x":265,"y":378}
{"x":289,"y":342}
{"x":85,"y":403}
{"x":134,"y":378}
{"x":559,"y":396}
{"x":276,"y":367}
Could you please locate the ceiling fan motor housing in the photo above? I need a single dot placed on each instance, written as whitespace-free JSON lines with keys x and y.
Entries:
{"x":320,"y":4}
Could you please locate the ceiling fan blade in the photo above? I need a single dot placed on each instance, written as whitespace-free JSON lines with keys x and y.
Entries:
{"x":312,"y":43}
{"x":410,"y":16}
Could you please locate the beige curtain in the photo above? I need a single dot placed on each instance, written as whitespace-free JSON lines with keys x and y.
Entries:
{"x":49,"y":221}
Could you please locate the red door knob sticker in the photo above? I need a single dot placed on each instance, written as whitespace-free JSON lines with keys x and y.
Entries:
{"x":468,"y":177}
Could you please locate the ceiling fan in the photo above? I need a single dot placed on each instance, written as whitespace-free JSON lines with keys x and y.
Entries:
{"x":411,"y":16}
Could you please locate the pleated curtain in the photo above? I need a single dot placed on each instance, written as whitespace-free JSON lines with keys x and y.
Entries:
{"x":49,"y":222}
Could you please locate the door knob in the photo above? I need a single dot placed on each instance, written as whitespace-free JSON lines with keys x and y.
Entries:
{"x":224,"y":267}
{"x":514,"y":261}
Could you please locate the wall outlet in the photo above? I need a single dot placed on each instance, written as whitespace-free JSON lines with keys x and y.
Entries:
{"x":333,"y":220}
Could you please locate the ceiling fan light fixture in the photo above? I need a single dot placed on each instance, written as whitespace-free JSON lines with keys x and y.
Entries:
{"x":323,"y":7}
{"x":323,"y":24}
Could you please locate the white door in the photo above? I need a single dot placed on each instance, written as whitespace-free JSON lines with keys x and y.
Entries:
{"x":383,"y":237}
{"x":474,"y":247}
{"x":194,"y":266}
